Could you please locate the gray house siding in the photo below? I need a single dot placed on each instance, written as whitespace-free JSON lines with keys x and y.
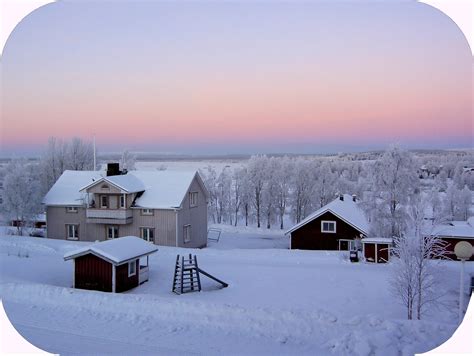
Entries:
{"x":163,"y":221}
{"x":195,"y":216}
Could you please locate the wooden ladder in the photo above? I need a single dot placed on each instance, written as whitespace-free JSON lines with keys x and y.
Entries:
{"x":186,"y":275}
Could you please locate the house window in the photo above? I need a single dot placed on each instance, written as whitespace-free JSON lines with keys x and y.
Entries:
{"x":147,"y":211}
{"x":104,"y":201}
{"x":193,"y":199}
{"x":71,"y":209}
{"x":328,"y":226}
{"x":105,"y":186}
{"x":112,"y":232}
{"x":147,"y":234}
{"x":187,"y":233}
{"x":72,"y":231}
{"x":122,"y":201}
{"x":132,"y":268}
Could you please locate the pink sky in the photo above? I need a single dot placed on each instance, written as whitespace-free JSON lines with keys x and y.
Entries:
{"x":264,"y":76}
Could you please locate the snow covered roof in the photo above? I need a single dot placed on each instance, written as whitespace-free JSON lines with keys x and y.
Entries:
{"x":116,"y":251}
{"x":464,"y":229}
{"x":66,"y":190}
{"x":346,"y":210}
{"x":161,"y":189}
{"x":377,"y":240}
{"x":125,"y":182}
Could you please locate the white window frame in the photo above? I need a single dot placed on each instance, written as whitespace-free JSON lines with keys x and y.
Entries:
{"x":132,"y":270}
{"x":75,"y":232}
{"x":187,"y":233}
{"x":123,"y":200}
{"x":147,"y":211}
{"x":193,"y":199}
{"x":71,"y":209}
{"x":148,"y":229}
{"x":328,"y":222}
{"x":113,"y":229}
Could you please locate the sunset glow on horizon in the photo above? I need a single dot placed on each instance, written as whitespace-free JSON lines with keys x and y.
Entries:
{"x":211,"y":77}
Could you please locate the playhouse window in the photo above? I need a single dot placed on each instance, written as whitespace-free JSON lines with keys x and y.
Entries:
{"x":132,"y":268}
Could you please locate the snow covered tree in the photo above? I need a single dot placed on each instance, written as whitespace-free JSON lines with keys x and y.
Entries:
{"x":325,"y":184}
{"x":395,"y":179}
{"x":282,"y":178}
{"x":414,"y":276}
{"x":21,"y":194}
{"x":80,"y":155}
{"x":238,"y":181}
{"x":302,"y":189}
{"x":269,"y":196}
{"x":457,"y":203}
{"x":60,"y":155}
{"x":223,"y":194}
{"x":128,"y":160}
{"x":256,"y":175}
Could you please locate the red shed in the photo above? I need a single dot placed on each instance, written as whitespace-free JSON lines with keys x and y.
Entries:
{"x":376,"y":249}
{"x":111,"y":266}
{"x":454,"y":232}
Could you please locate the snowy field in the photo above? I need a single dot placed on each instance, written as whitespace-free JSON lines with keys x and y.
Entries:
{"x":278,"y":302}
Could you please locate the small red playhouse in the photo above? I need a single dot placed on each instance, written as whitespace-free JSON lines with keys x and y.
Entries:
{"x":111,"y":266}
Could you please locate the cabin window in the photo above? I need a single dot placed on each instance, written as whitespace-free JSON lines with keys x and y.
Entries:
{"x":147,"y":211}
{"x":132,"y":268}
{"x":104,"y":201}
{"x":71,"y":209}
{"x":328,"y":226}
{"x":72,"y":231}
{"x":147,"y":234}
{"x":193,"y":199}
{"x":187,"y":233}
{"x":122,"y":201}
{"x":112,"y":231}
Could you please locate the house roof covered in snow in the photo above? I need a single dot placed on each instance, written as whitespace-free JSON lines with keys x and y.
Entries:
{"x":66,"y":190}
{"x":346,"y":210}
{"x":160,"y":189}
{"x":464,"y":229}
{"x":116,"y":251}
{"x":128,"y":183}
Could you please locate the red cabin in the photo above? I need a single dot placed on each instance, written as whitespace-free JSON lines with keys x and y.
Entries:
{"x":111,"y":266}
{"x":336,"y":226}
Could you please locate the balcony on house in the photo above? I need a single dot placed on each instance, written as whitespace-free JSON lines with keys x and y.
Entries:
{"x":106,"y":216}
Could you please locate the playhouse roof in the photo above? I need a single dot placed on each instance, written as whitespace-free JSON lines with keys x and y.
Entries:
{"x":346,"y":210}
{"x":116,"y":251}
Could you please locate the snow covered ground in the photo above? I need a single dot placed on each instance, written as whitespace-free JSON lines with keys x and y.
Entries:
{"x":278,"y":301}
